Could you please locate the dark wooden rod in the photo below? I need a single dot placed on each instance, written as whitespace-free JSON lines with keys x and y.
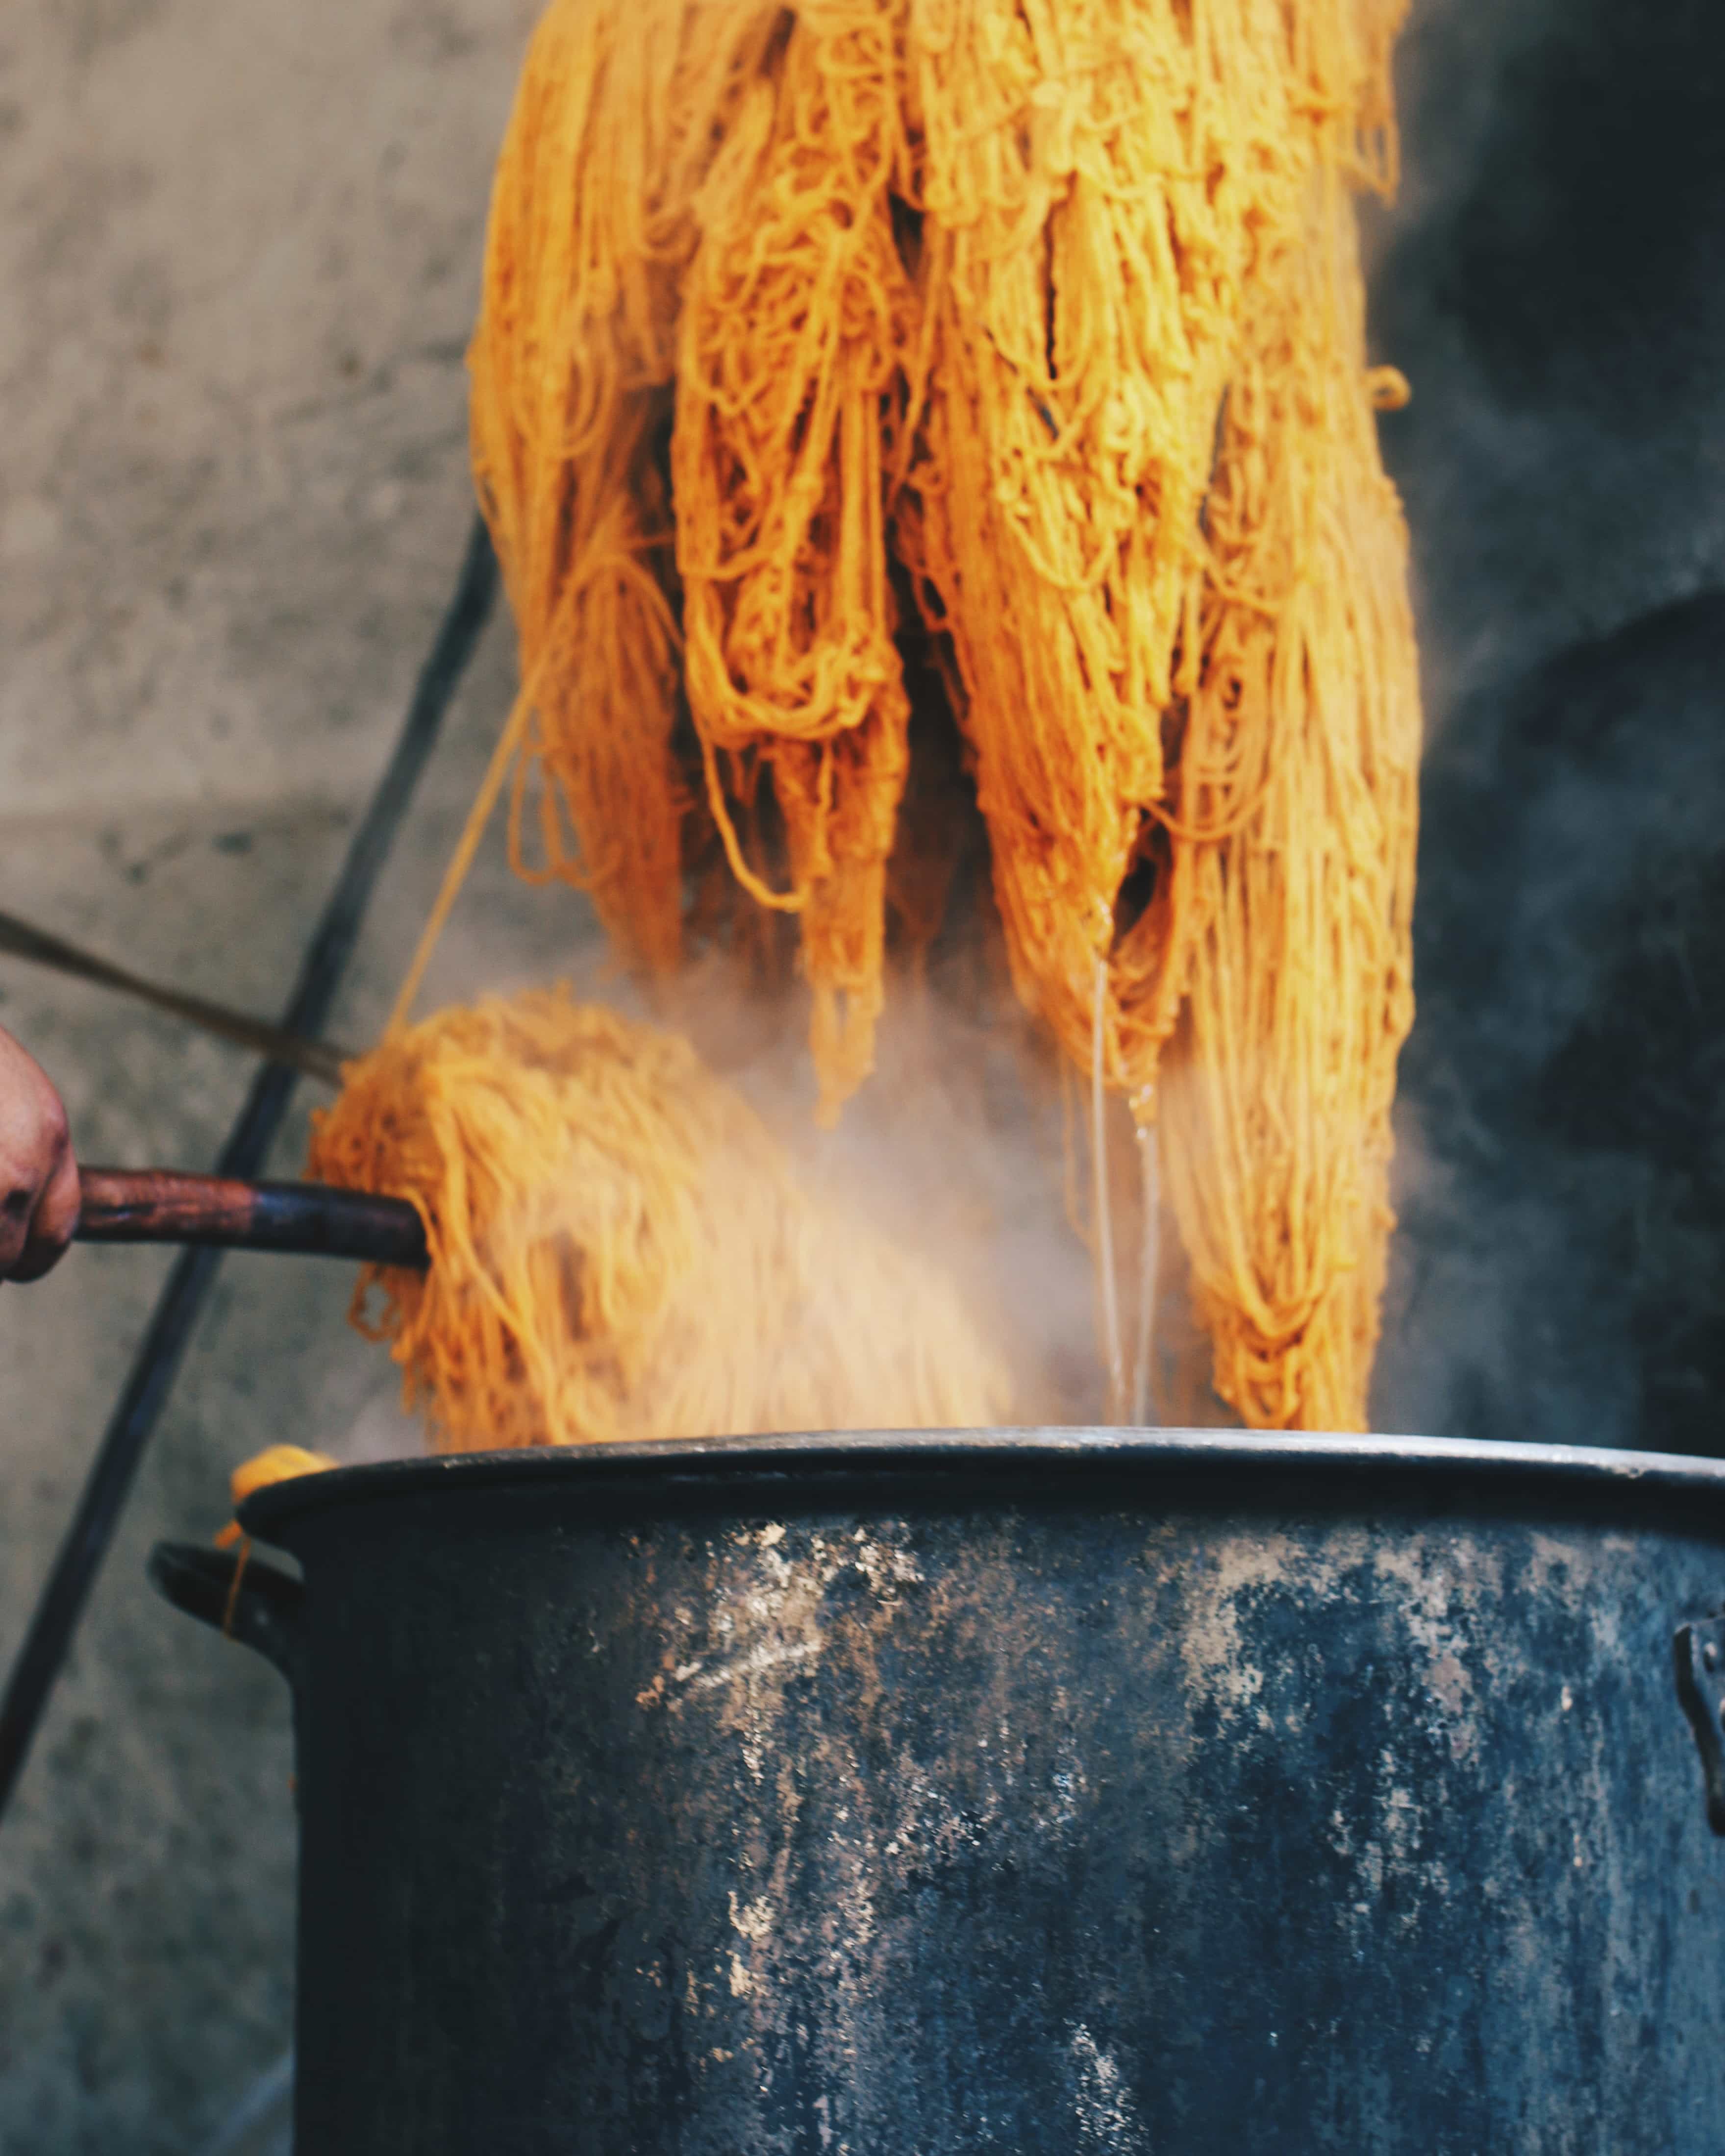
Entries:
{"x":160,"y":1205}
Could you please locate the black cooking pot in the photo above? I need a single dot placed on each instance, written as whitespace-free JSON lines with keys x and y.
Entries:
{"x":1040,"y":1792}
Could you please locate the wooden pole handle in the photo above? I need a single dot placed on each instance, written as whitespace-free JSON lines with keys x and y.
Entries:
{"x":160,"y":1205}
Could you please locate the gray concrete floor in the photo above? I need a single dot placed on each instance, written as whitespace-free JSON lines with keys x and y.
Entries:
{"x":238,"y":260}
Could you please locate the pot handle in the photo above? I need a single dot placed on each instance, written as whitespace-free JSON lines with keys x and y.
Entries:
{"x":1698,"y":1651}
{"x":252,"y":1602}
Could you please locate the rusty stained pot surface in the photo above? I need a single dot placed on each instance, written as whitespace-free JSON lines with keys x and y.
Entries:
{"x":1040,"y":1792}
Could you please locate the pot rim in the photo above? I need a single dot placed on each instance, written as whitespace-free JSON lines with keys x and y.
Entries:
{"x":1008,"y":1453}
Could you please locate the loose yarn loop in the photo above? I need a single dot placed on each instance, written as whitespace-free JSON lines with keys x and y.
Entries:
{"x":1046,"y":313}
{"x":620,"y":1250}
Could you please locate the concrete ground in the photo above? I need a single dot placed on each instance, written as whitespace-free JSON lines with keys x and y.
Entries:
{"x":238,"y":256}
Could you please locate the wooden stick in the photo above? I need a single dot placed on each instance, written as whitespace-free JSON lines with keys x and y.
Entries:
{"x":160,"y":1205}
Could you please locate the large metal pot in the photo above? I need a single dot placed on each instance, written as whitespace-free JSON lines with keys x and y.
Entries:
{"x":1041,"y":1791}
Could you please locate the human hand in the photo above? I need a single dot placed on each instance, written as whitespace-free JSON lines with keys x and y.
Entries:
{"x":38,"y":1172}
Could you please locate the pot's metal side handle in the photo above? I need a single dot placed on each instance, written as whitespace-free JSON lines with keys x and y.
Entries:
{"x":1698,"y":1652}
{"x":234,"y":1591}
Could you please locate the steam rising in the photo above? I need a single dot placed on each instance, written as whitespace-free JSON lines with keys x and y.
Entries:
{"x":1554,"y":283}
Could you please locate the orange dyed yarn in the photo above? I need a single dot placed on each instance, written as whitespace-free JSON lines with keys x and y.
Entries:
{"x":1046,"y":313}
{"x":620,"y":1249}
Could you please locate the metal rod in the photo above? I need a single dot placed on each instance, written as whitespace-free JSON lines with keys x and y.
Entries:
{"x":160,"y":1205}
{"x":312,"y":1059}
{"x":164,"y":1344}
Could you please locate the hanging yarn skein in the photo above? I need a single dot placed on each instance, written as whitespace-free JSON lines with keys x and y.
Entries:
{"x":1276,"y":1105}
{"x":1154,"y":522}
{"x":1046,"y":313}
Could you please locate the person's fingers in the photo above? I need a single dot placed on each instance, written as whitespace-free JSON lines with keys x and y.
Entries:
{"x":37,"y":1167}
{"x":55,"y":1217}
